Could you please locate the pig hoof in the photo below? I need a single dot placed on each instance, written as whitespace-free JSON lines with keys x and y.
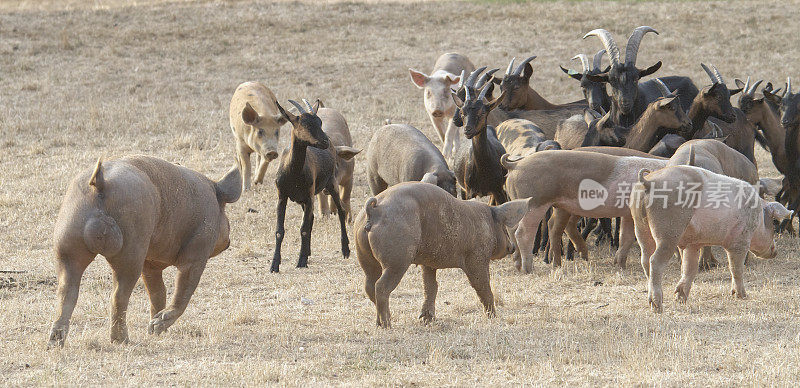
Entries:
{"x":681,"y":294}
{"x":119,"y":337}
{"x":57,"y":337}
{"x":739,"y":295}
{"x":158,"y":324}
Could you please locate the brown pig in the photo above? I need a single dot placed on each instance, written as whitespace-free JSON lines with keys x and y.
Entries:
{"x":142,"y":214}
{"x":335,"y":126}
{"x":402,"y":226}
{"x":255,"y":122}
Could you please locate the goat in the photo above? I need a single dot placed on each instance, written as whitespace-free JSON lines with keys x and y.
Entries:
{"x":255,"y":123}
{"x":759,"y":112}
{"x":477,"y":165}
{"x":595,"y":92}
{"x":436,"y":86}
{"x":303,"y":173}
{"x":629,"y":99}
{"x":790,"y":119}
{"x":520,"y":94}
{"x":335,"y":127}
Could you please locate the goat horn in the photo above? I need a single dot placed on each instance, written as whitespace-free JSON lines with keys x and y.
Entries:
{"x":755,"y":86}
{"x":510,"y":66}
{"x":298,"y":106}
{"x":483,"y":91}
{"x":598,"y":59}
{"x":466,"y":93}
{"x":717,"y":74}
{"x":609,"y":43}
{"x":521,"y":66}
{"x":474,"y":75}
{"x":788,"y":87}
{"x":710,"y":73}
{"x":747,"y":86}
{"x":662,"y":88}
{"x":485,"y":77}
{"x":584,"y":61}
{"x":308,"y":105}
{"x":461,"y":80}
{"x":632,"y":49}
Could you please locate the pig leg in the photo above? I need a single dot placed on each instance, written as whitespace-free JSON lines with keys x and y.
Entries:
{"x":707,"y":260}
{"x":126,"y":272}
{"x":305,"y":233}
{"x":243,"y":155}
{"x":70,"y":270}
{"x":576,"y":238}
{"x":372,"y":269}
{"x":263,"y":163}
{"x":526,"y":231}
{"x":388,"y":281}
{"x":513,"y":238}
{"x":193,"y":260}
{"x":431,"y":286}
{"x":279,"y":233}
{"x":627,"y":238}
{"x":689,"y":267}
{"x":152,"y":274}
{"x":658,"y":262}
{"x":342,"y":221}
{"x":736,"y":258}
{"x":647,"y":245}
{"x":478,"y":276}
{"x":346,"y":187}
{"x":559,"y":222}
{"x":324,"y":210}
{"x":376,"y":184}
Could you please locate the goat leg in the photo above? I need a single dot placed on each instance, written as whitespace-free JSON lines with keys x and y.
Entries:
{"x":305,"y":233}
{"x":342,"y":221}
{"x":279,"y":233}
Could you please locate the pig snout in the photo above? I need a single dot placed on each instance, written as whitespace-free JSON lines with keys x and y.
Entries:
{"x":437,"y":113}
{"x":271,"y":155}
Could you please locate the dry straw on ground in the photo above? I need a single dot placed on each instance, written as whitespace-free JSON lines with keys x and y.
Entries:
{"x":80,"y":79}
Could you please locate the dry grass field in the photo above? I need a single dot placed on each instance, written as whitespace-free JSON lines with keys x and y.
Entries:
{"x":82,"y":78}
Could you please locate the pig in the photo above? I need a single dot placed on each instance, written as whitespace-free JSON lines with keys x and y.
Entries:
{"x":142,"y":214}
{"x":522,"y":137}
{"x":687,"y":208}
{"x":335,"y":126}
{"x":255,"y":123}
{"x":400,"y":153}
{"x":401,"y":226}
{"x":437,"y":93}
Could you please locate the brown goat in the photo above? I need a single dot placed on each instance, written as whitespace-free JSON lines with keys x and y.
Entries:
{"x":520,"y":94}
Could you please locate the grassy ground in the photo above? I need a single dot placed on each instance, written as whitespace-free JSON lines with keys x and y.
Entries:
{"x":80,"y":79}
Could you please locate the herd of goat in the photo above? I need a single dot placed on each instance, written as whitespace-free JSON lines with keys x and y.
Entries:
{"x":642,"y":146}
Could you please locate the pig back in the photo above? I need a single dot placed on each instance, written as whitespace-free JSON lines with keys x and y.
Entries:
{"x":401,"y":153}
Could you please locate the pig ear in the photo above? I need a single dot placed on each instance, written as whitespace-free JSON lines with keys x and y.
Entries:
{"x":249,"y":115}
{"x":510,"y":213}
{"x":418,"y":78}
{"x":777,"y":211}
{"x":97,"y":176}
{"x":346,"y":152}
{"x":430,"y":177}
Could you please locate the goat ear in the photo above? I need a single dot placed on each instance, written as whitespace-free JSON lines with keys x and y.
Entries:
{"x":287,"y":115}
{"x":735,"y":91}
{"x":498,"y":100}
{"x":346,"y":152}
{"x":650,"y":70}
{"x":249,"y":115}
{"x":510,"y":213}
{"x":777,"y":211}
{"x":572,"y":73}
{"x":453,"y":80}
{"x":279,"y":119}
{"x":418,"y":78}
{"x":602,"y":77}
{"x":665,"y":102}
{"x":527,"y":72}
{"x":739,"y":83}
{"x":457,"y":100}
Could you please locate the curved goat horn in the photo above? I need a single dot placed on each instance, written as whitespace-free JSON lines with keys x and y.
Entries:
{"x":711,"y":75}
{"x":788,"y":87}
{"x":598,"y":59}
{"x":718,"y":75}
{"x":609,"y":43}
{"x":308,"y":105}
{"x":510,"y":66}
{"x":584,"y":61}
{"x":663,"y":88}
{"x":632,"y":49}
{"x":483,"y":91}
{"x":298,"y":106}
{"x":485,"y":77}
{"x":473,"y":76}
{"x":747,"y":86}
{"x":521,"y":66}
{"x":755,"y":86}
{"x":461,"y":79}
